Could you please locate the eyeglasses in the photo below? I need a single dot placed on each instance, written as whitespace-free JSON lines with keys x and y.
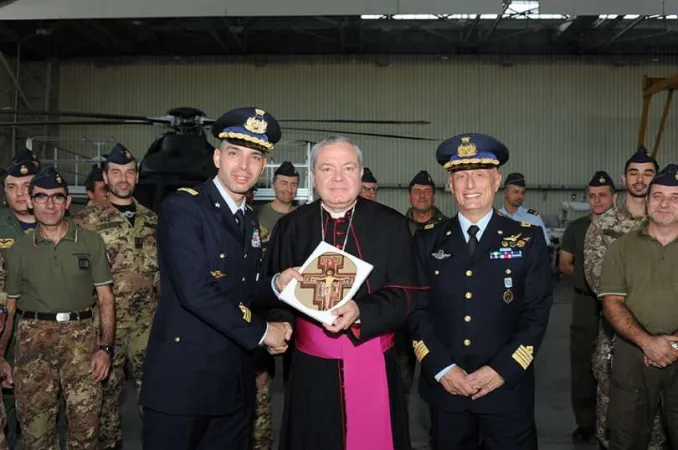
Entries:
{"x":369,"y":189}
{"x":41,"y":199}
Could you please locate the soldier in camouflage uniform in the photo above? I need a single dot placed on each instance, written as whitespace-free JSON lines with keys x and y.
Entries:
{"x":128,"y":230}
{"x":58,"y":348}
{"x":15,"y":221}
{"x":5,"y":368}
{"x":616,"y":222}
{"x":285,"y":186}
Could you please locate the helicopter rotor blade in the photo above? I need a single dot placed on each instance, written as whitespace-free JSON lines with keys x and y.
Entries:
{"x":384,"y":135}
{"x":373,"y":122}
{"x":78,"y":122}
{"x":85,"y":115}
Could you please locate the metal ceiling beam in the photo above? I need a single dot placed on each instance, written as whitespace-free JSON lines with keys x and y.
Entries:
{"x":507,"y":3}
{"x":234,"y":35}
{"x":15,"y":81}
{"x":101,"y":29}
{"x":623,"y":31}
{"x":217,"y":38}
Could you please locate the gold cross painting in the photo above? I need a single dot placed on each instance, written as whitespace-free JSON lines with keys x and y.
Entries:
{"x":331,"y":277}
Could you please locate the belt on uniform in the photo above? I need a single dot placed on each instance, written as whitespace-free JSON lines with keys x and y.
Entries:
{"x":56,"y":317}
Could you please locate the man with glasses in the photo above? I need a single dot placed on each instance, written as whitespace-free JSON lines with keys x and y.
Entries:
{"x":15,"y":220}
{"x":58,"y":346}
{"x":369,"y":185}
{"x":423,"y":213}
{"x":128,"y":230}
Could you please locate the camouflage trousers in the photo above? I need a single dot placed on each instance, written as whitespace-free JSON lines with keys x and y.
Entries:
{"x":53,"y":357}
{"x":3,"y":423}
{"x":602,"y":365}
{"x":262,"y":427}
{"x":130,"y":345}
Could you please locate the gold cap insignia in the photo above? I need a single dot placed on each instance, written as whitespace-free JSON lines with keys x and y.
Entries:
{"x":601,"y":179}
{"x":23,"y":170}
{"x":676,"y":176}
{"x":467,"y":149}
{"x":128,"y":155}
{"x":58,"y":179}
{"x":257,"y":124}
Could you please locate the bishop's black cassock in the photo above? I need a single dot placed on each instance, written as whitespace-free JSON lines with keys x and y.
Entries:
{"x":318,"y":405}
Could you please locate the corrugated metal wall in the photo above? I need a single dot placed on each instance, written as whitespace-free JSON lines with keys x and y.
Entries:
{"x":6,"y":99}
{"x":561,"y":119}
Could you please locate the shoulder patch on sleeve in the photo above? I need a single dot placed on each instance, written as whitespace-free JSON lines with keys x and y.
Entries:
{"x":189,"y":190}
{"x":533,"y":212}
{"x":525,"y":224}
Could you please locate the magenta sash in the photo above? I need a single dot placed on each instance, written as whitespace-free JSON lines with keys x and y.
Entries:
{"x":368,"y":410}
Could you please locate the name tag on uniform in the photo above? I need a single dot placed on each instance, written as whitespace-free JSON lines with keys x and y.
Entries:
{"x":138,"y":243}
{"x":83,"y":262}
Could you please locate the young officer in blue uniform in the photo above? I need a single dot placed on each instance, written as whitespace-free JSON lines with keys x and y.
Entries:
{"x":198,"y":387}
{"x":477,"y":330}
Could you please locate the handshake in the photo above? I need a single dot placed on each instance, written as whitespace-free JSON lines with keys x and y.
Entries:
{"x":277,"y":337}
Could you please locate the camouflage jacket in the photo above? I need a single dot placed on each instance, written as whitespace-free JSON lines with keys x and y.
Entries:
{"x":132,"y":254}
{"x":610,"y":225}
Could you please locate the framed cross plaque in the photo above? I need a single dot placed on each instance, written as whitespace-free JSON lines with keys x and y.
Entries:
{"x":331,"y":278}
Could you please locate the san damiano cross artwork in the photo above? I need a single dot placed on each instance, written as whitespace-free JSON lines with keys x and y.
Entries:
{"x":326,"y":281}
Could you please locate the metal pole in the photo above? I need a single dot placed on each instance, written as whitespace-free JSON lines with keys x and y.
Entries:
{"x":16,"y":94}
{"x":48,"y":102}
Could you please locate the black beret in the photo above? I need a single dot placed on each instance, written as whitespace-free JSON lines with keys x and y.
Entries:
{"x":49,"y":178}
{"x":471,"y":151}
{"x":422,"y":178}
{"x":516,"y":179}
{"x":668,"y":176}
{"x":601,"y":178}
{"x":368,"y":177}
{"x":120,"y":155}
{"x":248,"y":124}
{"x":24,"y":164}
{"x":641,"y":156}
{"x":287,"y":169}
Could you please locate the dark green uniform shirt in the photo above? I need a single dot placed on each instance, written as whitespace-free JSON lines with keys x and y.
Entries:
{"x":573,"y":242}
{"x":57,"y":278}
{"x":639,"y":268}
{"x":10,"y":230}
{"x":436,"y":219}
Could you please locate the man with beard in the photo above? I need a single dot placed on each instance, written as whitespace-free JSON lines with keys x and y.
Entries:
{"x":344,"y":390}
{"x":198,"y":389}
{"x":585,"y":309}
{"x":423,"y":213}
{"x":15,"y":220}
{"x":640,"y":302}
{"x":478,"y":329}
{"x":368,"y":189}
{"x":51,"y":275}
{"x":285,"y":185}
{"x":614,"y":223}
{"x":128,"y":230}
{"x":514,"y":196}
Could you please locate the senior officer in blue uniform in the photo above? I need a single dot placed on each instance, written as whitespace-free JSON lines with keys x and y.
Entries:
{"x":198,"y":387}
{"x":477,"y":330}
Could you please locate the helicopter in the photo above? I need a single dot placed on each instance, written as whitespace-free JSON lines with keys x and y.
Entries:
{"x":182,"y":155}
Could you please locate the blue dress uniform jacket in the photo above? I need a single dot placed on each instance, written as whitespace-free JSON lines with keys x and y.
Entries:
{"x":199,"y":358}
{"x":490,"y":309}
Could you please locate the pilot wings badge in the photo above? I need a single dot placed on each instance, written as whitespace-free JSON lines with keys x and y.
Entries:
{"x":440,"y":255}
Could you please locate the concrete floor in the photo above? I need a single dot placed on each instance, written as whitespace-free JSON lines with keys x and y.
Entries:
{"x":554,"y":414}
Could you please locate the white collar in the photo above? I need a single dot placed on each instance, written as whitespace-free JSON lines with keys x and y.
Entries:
{"x":227,"y":198}
{"x":337,"y":215}
{"x":464,"y":223}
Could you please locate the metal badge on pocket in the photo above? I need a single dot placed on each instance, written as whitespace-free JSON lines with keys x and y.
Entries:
{"x":83,"y":262}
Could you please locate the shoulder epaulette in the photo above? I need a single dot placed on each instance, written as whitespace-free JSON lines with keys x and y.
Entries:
{"x":533,"y":212}
{"x":525,"y":224}
{"x":249,"y":207}
{"x":189,"y":190}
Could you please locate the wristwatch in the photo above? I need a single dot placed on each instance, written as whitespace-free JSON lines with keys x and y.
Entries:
{"x":108,"y":349}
